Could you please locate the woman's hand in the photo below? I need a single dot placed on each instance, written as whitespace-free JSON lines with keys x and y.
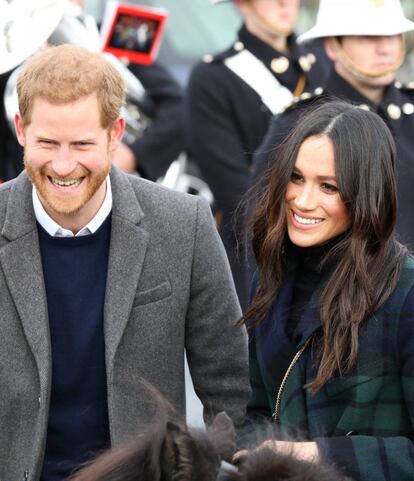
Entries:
{"x":307,"y":450}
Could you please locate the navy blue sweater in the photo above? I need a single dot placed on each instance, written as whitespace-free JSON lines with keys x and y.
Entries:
{"x":75,"y":271}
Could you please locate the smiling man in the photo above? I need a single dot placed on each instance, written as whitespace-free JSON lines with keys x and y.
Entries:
{"x":105,"y":279}
{"x":366,"y":51}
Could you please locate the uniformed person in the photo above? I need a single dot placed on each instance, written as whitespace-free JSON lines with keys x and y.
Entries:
{"x":231,"y":98}
{"x":366,"y":50}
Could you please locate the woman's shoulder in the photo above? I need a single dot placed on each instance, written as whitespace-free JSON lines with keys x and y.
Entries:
{"x":407,"y":272}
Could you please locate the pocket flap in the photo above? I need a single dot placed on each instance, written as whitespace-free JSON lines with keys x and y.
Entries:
{"x":152,"y":295}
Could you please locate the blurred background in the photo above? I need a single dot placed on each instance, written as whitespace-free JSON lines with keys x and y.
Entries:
{"x":196,"y":27}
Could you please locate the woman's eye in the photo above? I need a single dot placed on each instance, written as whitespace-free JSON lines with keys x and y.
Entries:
{"x":330,"y":188}
{"x":295,"y":177}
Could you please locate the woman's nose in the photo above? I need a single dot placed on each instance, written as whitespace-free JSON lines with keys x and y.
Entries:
{"x":306,"y":198}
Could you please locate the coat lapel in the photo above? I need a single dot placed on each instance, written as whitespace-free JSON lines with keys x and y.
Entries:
{"x":126,"y":256}
{"x":22,"y":267}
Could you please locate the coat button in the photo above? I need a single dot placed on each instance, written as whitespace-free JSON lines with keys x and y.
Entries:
{"x":208,"y":58}
{"x":364,"y":107}
{"x":238,"y":46}
{"x":408,"y":108}
{"x":279,"y":65}
{"x":305,"y":63}
{"x":394,"y":111}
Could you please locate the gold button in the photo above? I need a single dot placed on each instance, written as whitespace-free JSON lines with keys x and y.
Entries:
{"x":208,"y":58}
{"x":311,"y":58}
{"x":305,"y":96}
{"x":394,"y":111}
{"x":238,"y":46}
{"x":279,"y":65}
{"x":364,"y":107}
{"x":408,"y":108}
{"x":305,"y":63}
{"x":318,"y":91}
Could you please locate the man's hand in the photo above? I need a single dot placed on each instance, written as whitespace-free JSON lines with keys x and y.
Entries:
{"x":124,"y":158}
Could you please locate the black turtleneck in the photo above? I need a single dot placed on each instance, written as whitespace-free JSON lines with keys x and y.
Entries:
{"x":312,"y":265}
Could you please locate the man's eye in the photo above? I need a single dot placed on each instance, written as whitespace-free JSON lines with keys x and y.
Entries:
{"x":47,"y":143}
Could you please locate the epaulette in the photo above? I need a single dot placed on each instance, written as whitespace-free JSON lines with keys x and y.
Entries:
{"x":306,"y":98}
{"x":237,"y":46}
{"x":408,"y":86}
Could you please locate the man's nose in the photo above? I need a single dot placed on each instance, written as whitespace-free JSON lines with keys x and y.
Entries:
{"x":63,"y":163}
{"x":385,"y":44}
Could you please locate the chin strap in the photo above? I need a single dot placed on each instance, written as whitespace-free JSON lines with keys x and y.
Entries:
{"x":358,"y":71}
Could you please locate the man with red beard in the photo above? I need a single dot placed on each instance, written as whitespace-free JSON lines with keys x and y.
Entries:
{"x":105,"y":279}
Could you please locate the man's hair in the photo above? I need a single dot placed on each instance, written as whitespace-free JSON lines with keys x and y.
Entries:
{"x":67,"y":73}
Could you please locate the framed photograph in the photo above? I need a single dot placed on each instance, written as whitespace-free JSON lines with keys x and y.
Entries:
{"x":133,"y":31}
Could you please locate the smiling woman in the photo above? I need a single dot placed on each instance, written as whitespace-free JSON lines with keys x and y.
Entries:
{"x":332,"y":315}
{"x":314,"y":209}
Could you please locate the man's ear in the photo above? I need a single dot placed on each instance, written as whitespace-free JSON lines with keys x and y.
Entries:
{"x":18,"y":125}
{"x":116,"y":134}
{"x":330,"y":49}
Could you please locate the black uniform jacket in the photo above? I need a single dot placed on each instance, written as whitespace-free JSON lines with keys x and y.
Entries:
{"x":396,"y":109}
{"x":11,"y":154}
{"x":225,"y":120}
{"x":163,"y":139}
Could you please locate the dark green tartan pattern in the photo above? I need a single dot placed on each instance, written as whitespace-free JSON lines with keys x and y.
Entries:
{"x":363,"y":421}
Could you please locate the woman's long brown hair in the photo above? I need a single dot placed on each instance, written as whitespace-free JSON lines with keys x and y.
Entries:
{"x":369,"y":259}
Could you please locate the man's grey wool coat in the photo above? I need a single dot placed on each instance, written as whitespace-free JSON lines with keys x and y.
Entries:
{"x":168,"y":287}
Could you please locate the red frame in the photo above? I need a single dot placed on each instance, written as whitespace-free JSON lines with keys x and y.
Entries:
{"x":147,"y":13}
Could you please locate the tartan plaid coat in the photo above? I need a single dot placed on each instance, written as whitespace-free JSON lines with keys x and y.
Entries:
{"x":363,"y":422}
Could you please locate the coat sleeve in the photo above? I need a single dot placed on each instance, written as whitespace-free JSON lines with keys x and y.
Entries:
{"x":163,"y":140}
{"x":213,"y":137}
{"x":216,"y":349}
{"x":376,"y":458}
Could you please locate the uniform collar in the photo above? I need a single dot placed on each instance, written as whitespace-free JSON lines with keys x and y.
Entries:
{"x":263,"y":50}
{"x":55,"y":230}
{"x":391,"y":107}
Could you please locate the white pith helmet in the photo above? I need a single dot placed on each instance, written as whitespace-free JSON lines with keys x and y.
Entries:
{"x":338,"y":18}
{"x":24,"y":28}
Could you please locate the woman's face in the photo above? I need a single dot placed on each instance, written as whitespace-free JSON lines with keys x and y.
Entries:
{"x":314,"y":209}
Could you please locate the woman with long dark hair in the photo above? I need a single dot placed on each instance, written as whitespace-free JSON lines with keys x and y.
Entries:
{"x":332,"y":315}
